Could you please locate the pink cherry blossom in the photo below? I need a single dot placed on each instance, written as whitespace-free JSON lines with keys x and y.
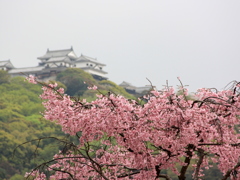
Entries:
{"x":123,"y":139}
{"x":31,"y":79}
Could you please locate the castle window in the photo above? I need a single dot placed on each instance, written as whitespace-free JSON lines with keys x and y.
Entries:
{"x":90,"y":64}
{"x":87,"y":64}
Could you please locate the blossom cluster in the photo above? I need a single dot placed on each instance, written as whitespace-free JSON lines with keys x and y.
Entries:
{"x":139,"y":140}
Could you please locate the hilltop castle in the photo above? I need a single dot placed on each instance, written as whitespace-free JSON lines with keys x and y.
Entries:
{"x":55,"y":61}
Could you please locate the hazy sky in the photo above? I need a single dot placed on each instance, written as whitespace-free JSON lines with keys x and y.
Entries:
{"x":196,"y":40}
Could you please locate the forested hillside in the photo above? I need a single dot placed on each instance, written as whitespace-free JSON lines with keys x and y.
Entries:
{"x":77,"y":81}
{"x":21,"y":119}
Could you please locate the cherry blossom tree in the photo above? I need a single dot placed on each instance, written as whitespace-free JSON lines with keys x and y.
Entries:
{"x":121,"y":138}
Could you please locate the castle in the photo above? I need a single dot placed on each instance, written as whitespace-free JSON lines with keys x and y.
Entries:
{"x":55,"y":61}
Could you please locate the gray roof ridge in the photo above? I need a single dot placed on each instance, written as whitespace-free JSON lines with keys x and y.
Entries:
{"x":28,"y":67}
{"x":60,"y":50}
{"x":126,"y":82}
{"x":88,"y":57}
{"x":8,"y":60}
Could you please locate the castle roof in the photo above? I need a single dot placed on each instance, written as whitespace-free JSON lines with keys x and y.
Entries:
{"x":59,"y":59}
{"x":26,"y":70}
{"x":93,"y":69}
{"x":84,"y":58}
{"x":126,"y":84}
{"x":59,"y":53}
{"x":6,"y":63}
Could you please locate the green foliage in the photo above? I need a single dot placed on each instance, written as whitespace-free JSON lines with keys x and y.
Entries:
{"x":114,"y":88}
{"x":21,"y":121}
{"x":75,"y":80}
{"x":16,"y":177}
{"x":4,"y":77}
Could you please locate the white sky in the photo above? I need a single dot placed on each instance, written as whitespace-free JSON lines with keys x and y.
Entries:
{"x":199,"y":41}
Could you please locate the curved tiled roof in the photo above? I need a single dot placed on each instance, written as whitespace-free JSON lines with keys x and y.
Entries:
{"x":59,"y":59}
{"x":84,"y":58}
{"x":93,"y":69}
{"x":6,"y":63}
{"x":26,"y":69}
{"x":59,"y":53}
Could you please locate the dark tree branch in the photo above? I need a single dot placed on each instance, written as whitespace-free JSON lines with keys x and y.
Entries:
{"x":186,"y":161}
{"x":228,"y":173}
{"x":200,"y":160}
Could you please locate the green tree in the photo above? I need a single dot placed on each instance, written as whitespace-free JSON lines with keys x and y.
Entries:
{"x":114,"y":88}
{"x":4,"y":77}
{"x":21,"y":121}
{"x":76,"y":81}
